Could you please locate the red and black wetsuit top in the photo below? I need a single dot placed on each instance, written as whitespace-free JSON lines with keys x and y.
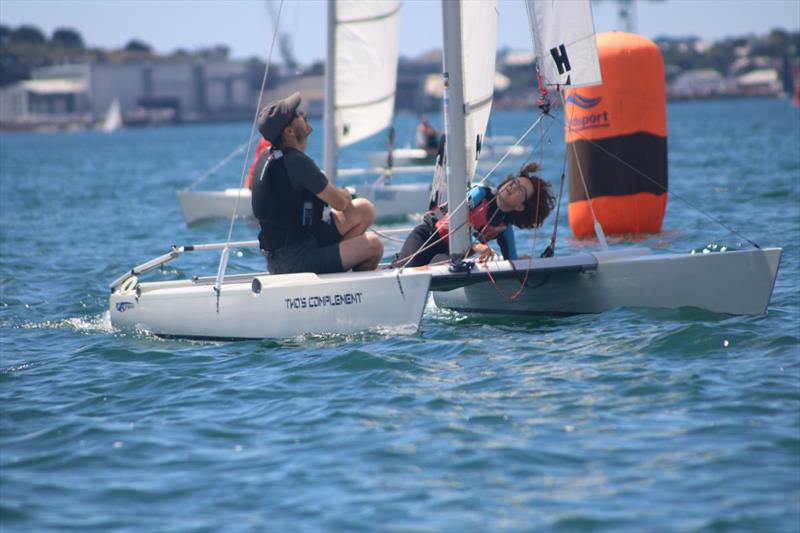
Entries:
{"x":487,"y":221}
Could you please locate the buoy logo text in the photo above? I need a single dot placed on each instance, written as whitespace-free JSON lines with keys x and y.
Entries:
{"x":329,"y":300}
{"x":595,"y":120}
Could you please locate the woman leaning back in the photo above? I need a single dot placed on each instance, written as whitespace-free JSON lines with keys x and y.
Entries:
{"x":524,"y":201}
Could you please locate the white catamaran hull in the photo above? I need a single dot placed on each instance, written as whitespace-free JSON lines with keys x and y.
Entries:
{"x":255,"y":306}
{"x":403,"y":157}
{"x":202,"y":205}
{"x":736,"y":282}
{"x":391,"y":201}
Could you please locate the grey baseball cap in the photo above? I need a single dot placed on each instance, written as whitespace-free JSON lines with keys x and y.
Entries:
{"x":277,"y":115}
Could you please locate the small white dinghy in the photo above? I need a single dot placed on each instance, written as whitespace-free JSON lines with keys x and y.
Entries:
{"x":359,"y":102}
{"x":403,"y":157}
{"x":506,"y":147}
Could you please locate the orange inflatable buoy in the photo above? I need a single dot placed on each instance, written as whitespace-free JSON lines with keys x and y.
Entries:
{"x":617,"y":131}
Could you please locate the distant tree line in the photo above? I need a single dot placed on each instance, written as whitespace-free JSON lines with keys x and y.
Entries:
{"x":26,"y":47}
{"x":682,"y":54}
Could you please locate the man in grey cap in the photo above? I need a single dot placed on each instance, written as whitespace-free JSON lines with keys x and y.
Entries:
{"x":289,"y":197}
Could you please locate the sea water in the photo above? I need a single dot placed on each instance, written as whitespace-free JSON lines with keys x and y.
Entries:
{"x":637,"y":420}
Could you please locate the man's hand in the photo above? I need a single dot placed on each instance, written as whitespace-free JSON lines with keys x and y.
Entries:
{"x":337,"y":197}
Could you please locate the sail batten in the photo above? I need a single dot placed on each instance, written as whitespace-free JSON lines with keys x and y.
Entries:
{"x":470,"y":107}
{"x":379,"y":16}
{"x":379,"y":100}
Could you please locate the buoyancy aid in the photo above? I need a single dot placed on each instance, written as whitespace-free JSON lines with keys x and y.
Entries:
{"x":484,"y":216}
{"x":263,"y":144}
{"x":286,"y":215}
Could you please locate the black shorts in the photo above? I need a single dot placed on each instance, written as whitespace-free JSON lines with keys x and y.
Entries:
{"x":318,"y":253}
{"x":422,"y":245}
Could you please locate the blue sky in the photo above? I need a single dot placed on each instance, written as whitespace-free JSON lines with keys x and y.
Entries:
{"x":245,"y":25}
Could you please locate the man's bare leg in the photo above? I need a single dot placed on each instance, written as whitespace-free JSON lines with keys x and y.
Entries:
{"x":356,"y":220}
{"x":363,"y":252}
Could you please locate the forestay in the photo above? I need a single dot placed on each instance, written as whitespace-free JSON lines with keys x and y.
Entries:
{"x":564,"y":40}
{"x":367,"y":37}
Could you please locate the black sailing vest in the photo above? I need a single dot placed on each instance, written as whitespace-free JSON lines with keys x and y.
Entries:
{"x":287,"y":215}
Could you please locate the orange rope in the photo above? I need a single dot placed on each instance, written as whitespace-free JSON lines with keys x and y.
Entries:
{"x":530,"y":261}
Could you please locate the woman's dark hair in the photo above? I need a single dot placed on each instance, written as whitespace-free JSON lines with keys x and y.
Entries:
{"x":540,"y":203}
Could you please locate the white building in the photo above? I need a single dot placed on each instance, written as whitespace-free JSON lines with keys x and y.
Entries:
{"x":178,"y":90}
{"x":34,"y":103}
{"x":762,"y":82}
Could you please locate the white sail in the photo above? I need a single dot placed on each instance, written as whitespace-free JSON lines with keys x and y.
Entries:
{"x":113,"y":118}
{"x":367,"y":41}
{"x":564,"y":41}
{"x":478,"y":51}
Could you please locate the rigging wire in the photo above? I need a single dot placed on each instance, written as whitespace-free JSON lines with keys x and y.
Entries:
{"x":657,"y":184}
{"x":428,"y":244}
{"x":223,"y":262}
{"x":524,"y":281}
{"x":508,"y":151}
{"x":598,"y":229}
{"x":236,"y":151}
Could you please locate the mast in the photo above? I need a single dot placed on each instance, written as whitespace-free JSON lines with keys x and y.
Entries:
{"x":329,"y":126}
{"x":454,"y":130}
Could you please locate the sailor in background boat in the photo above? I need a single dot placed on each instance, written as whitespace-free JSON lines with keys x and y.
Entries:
{"x":427,"y":136}
{"x":289,"y":197}
{"x":523,"y":201}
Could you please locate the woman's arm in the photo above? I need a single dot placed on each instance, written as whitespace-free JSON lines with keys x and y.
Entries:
{"x":508,"y":245}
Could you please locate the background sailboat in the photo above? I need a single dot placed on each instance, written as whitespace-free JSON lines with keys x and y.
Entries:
{"x":113,"y":118}
{"x":360,"y":82}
